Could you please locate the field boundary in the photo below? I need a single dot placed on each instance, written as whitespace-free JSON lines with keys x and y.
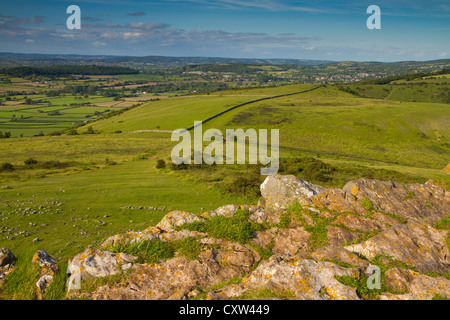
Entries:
{"x":249,"y":102}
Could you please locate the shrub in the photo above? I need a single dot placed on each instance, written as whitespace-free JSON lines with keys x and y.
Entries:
{"x":30,"y":162}
{"x":6,"y":167}
{"x":72,"y":132}
{"x":160,"y":164}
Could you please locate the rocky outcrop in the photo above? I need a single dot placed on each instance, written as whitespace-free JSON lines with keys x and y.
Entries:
{"x":303,"y":279}
{"x":7,"y":263}
{"x":282,"y":191}
{"x":48,"y":268}
{"x":365,"y":220}
{"x":308,"y":242}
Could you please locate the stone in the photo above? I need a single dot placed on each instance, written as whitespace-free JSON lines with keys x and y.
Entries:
{"x":269,"y":216}
{"x":223,"y":251}
{"x":411,"y":201}
{"x":359,"y":223}
{"x":264,"y":238}
{"x":417,"y":286}
{"x":338,"y":200}
{"x":339,"y":236}
{"x":48,"y":268}
{"x":414,"y":243}
{"x":338,"y":253}
{"x":291,"y":241}
{"x":95,"y":263}
{"x":306,"y":279}
{"x":7,"y":264}
{"x":177,"y":218}
{"x":281,"y":191}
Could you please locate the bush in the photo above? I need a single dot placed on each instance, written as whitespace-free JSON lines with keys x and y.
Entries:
{"x":30,"y":162}
{"x":160,"y":164}
{"x":6,"y":167}
{"x":72,"y":132}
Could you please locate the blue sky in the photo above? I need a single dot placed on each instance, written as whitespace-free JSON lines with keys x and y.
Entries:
{"x":322,"y":29}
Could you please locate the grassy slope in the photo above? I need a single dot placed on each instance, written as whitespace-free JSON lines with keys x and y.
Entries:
{"x":340,"y":127}
{"x":88,"y":196}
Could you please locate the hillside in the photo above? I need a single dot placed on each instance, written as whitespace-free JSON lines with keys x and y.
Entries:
{"x":370,"y":240}
{"x":114,"y":177}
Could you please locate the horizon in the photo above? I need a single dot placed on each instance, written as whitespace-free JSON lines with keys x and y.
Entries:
{"x":233,"y":29}
{"x":215,"y":57}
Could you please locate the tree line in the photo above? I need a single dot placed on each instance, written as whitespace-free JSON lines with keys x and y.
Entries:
{"x":57,"y":71}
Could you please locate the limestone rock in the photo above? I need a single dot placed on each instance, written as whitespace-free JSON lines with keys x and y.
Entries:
{"x":269,"y":216}
{"x":412,"y":201}
{"x":7,"y":264}
{"x":226,"y":252}
{"x":48,"y":267}
{"x":306,"y":279}
{"x":171,"y":279}
{"x":95,"y":263}
{"x":340,"y":254}
{"x":355,"y":222}
{"x":291,"y":241}
{"x":176,"y":218}
{"x":281,"y":191}
{"x":264,"y":238}
{"x":339,"y":236}
{"x":417,"y":286}
{"x":414,"y":243}
{"x":338,"y":200}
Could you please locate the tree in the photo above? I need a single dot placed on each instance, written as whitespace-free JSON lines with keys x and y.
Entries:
{"x":90,"y":130}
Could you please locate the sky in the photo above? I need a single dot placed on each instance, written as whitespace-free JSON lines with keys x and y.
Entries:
{"x":265,"y":29}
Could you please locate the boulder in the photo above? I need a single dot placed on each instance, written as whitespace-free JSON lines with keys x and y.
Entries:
{"x":417,"y":286}
{"x":281,"y":191}
{"x":411,"y":201}
{"x":338,"y":200}
{"x":48,"y":268}
{"x":359,"y":223}
{"x":177,"y":218}
{"x":340,"y":236}
{"x":338,"y":253}
{"x":95,"y":263}
{"x":172,"y":279}
{"x":7,"y":264}
{"x":416,"y":244}
{"x":305,"y":279}
{"x":291,"y":241}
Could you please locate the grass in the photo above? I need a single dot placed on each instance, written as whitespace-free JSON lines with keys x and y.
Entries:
{"x":21,"y":283}
{"x":148,"y":251}
{"x":236,"y":228}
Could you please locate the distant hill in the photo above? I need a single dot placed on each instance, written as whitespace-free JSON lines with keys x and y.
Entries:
{"x":9,"y":59}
